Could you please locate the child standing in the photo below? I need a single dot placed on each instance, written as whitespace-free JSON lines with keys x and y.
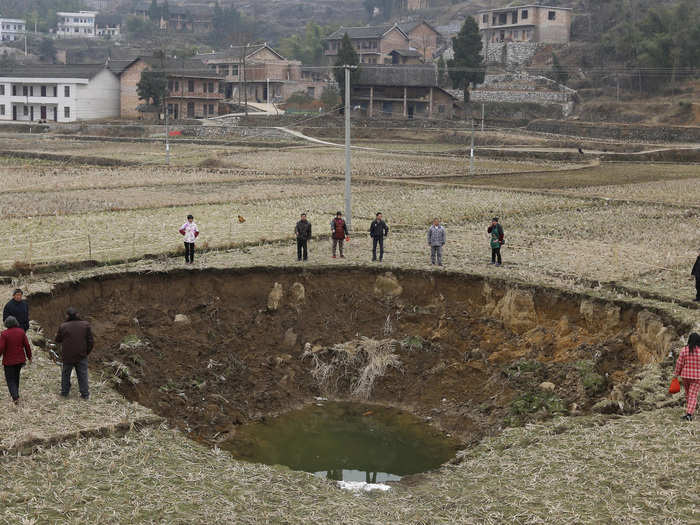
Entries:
{"x":688,"y":369}
{"x":191,"y":232}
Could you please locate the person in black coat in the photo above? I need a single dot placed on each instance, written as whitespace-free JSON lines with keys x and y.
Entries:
{"x":695,"y":272}
{"x":303,"y":233}
{"x":17,"y":308}
{"x":378,"y":230}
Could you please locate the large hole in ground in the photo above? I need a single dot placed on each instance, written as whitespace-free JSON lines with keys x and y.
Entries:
{"x":216,"y":349}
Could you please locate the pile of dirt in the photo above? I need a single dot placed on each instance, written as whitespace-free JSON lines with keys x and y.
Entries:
{"x":213,"y":349}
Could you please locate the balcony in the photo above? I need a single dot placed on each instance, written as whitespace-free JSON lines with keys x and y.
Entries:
{"x":196,"y":94}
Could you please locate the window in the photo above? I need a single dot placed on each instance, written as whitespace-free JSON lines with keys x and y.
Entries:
{"x":552,"y":15}
{"x":25,"y":110}
{"x":524,"y":14}
{"x":14,"y":91}
{"x":515,"y":17}
{"x":43,"y":91}
{"x":441,"y":108}
{"x":2,"y":109}
{"x":2,"y":89}
{"x":310,"y":92}
{"x":234,"y":70}
{"x":55,"y":91}
{"x":190,"y":86}
{"x":170,"y":85}
{"x":211,"y":87}
{"x":25,"y":91}
{"x":31,"y":91}
{"x":503,"y":18}
{"x":66,"y":91}
{"x":211,"y":109}
{"x":66,"y":112}
{"x":485,"y":19}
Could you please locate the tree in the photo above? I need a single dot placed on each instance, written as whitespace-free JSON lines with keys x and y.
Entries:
{"x":228,"y":23}
{"x":467,"y":67}
{"x":443,"y":77}
{"x":347,"y":56}
{"x":560,"y":74}
{"x":154,"y":12}
{"x":47,"y":51}
{"x":330,"y":98}
{"x":307,"y":47}
{"x":153,"y":87}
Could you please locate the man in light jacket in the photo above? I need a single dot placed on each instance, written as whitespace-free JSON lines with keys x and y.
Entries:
{"x":190,"y":231}
{"x":75,"y":335}
{"x":436,"y":240}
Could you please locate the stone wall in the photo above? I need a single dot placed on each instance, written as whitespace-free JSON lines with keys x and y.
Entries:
{"x":510,"y":54}
{"x":633,"y":132}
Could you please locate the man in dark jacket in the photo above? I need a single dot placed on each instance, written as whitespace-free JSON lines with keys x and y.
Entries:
{"x":303,"y":233}
{"x":339,"y":232}
{"x":695,"y":272}
{"x":18,"y":309}
{"x":496,"y":231}
{"x":378,"y":230}
{"x":77,"y":342}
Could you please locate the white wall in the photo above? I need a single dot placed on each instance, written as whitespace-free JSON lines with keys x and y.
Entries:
{"x":100,"y":98}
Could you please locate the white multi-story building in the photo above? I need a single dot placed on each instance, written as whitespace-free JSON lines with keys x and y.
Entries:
{"x":12,"y":29}
{"x":76,"y":25}
{"x":58,"y":93}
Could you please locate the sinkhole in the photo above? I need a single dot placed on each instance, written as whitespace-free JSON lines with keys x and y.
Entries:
{"x":228,"y":355}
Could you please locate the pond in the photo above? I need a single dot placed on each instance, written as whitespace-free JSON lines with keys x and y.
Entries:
{"x":345,"y":441}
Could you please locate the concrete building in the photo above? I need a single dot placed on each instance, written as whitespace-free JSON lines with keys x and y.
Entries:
{"x":373,"y":44}
{"x":108,"y":26}
{"x":527,"y":23}
{"x":402,"y":92}
{"x":76,"y":25}
{"x":12,"y":29}
{"x":413,"y":5}
{"x":58,"y":93}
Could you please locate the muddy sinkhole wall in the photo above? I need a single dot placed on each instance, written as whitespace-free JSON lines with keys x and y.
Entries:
{"x":216,"y":348}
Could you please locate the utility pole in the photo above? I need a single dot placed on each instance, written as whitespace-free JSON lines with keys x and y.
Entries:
{"x":471,"y":152}
{"x":245,"y":80}
{"x":268,"y":93}
{"x":348,"y":173}
{"x":483,"y":110}
{"x":167,"y":132}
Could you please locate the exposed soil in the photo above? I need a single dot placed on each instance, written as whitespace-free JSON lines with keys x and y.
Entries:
{"x":472,"y":352}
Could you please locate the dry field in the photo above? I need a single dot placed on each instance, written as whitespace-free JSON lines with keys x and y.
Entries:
{"x":623,"y":231}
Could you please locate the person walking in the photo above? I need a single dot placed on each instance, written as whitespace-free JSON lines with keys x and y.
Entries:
{"x":190,"y":232}
{"x":436,"y":240}
{"x":378,"y":230}
{"x":497,"y":240}
{"x":695,"y":272}
{"x":17,"y":308}
{"x":339,"y":233}
{"x":303,"y":232}
{"x":688,"y":369}
{"x":75,"y":336}
{"x":15,"y":351}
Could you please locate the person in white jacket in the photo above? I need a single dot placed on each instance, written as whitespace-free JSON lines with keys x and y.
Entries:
{"x":191,"y":232}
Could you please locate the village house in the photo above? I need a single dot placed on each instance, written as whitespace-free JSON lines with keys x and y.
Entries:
{"x":12,"y":29}
{"x":402,"y":92}
{"x":108,"y":26}
{"x":527,"y":23}
{"x":76,"y":25}
{"x":58,"y":93}
{"x":264,"y":69}
{"x":194,"y":91}
{"x":373,"y":44}
{"x":413,"y":5}
{"x":423,"y":37}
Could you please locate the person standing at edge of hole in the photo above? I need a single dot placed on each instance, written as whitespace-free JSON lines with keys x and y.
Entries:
{"x":378,"y":230}
{"x":497,"y":240}
{"x":303,"y":232}
{"x":695,"y":272}
{"x":339,"y":233}
{"x":190,"y":232}
{"x":75,"y":336}
{"x":688,"y":369}
{"x":436,"y":240}
{"x":13,"y":345}
{"x":17,"y":308}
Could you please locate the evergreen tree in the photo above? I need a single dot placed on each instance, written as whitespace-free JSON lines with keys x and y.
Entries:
{"x":467,"y":67}
{"x":152,"y":87}
{"x":154,"y":11}
{"x":347,"y":56}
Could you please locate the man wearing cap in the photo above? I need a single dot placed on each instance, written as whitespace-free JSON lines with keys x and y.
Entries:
{"x":496,"y":231}
{"x":17,"y":308}
{"x":75,"y":335}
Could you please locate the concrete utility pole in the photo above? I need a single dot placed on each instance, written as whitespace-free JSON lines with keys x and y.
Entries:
{"x":348,"y":174}
{"x":471,"y":152}
{"x":483,"y":112}
{"x":245,"y":80}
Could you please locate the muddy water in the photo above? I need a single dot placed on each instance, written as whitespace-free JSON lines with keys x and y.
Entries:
{"x":345,"y":441}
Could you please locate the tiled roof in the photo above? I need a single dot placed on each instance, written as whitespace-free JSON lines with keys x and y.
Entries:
{"x":86,"y":71}
{"x":361,"y":32}
{"x":417,"y":75}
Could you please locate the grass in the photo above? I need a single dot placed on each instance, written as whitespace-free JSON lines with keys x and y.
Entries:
{"x":637,"y":469}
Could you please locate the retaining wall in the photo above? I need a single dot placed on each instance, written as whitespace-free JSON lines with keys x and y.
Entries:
{"x":634,"y":132}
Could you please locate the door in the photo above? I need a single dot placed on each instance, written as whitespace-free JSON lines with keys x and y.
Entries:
{"x":176,"y":111}
{"x":55,"y":114}
{"x":14,"y":112}
{"x":31,"y":113}
{"x":410,"y":111}
{"x":190,"y":109}
{"x":43,"y":112}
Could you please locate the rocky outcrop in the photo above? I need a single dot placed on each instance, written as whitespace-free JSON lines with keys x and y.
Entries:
{"x":274,"y":298}
{"x":387,"y":286}
{"x":651,"y":339}
{"x":517,"y":310}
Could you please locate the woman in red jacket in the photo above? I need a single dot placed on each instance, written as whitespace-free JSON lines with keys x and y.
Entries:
{"x":688,"y":369}
{"x":13,"y":345}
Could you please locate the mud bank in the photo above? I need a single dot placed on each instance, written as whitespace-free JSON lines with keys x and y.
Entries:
{"x":212,"y":349}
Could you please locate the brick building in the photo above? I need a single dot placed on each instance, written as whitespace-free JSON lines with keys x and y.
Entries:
{"x":373,"y":44}
{"x":527,"y":23}
{"x":423,"y":37}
